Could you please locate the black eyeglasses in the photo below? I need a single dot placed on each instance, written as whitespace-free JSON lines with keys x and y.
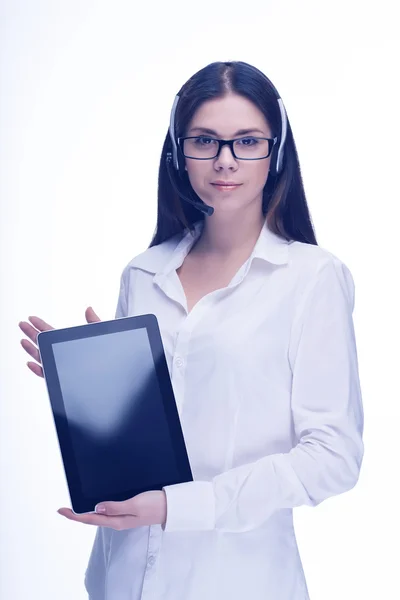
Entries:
{"x":204,"y":147}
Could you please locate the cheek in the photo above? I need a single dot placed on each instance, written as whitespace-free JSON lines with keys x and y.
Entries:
{"x":199,"y":175}
{"x":258,"y":174}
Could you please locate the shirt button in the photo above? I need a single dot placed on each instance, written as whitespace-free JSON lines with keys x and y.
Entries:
{"x":151,"y":561}
{"x":179,"y":362}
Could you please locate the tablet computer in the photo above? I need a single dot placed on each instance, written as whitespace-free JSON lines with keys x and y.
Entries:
{"x":114,"y":410}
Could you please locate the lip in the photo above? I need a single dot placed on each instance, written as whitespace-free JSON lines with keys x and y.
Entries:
{"x":225,"y":183}
{"x":225,"y":189}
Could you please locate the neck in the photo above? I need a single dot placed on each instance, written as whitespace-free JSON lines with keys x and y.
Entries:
{"x":226,"y":235}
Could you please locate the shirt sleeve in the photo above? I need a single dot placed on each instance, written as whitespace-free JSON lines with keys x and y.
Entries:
{"x":328,"y":420}
{"x":122,"y":304}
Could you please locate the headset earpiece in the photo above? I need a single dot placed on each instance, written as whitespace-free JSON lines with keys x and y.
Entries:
{"x":174,"y":153}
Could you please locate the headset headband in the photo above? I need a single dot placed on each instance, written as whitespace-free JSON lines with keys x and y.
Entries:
{"x":276,"y":168}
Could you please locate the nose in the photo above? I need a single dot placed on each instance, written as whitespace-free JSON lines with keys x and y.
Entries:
{"x":225,"y":158}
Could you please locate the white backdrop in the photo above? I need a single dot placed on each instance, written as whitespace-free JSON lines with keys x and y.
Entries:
{"x":86,"y":91}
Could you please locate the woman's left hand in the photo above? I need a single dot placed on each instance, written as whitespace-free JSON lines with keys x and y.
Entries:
{"x":149,"y":508}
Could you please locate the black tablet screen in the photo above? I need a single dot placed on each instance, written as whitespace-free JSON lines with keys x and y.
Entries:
{"x":115,"y":411}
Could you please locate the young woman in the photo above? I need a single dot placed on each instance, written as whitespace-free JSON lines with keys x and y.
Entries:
{"x":256,"y":321}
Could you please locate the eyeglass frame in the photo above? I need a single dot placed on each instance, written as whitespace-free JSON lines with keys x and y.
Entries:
{"x":230,"y":143}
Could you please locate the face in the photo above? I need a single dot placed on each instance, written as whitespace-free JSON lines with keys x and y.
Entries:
{"x":226,"y":118}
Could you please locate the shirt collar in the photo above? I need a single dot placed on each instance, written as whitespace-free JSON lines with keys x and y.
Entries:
{"x":163,"y":258}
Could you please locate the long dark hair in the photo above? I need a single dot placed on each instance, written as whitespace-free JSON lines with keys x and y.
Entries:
{"x":284,"y":200}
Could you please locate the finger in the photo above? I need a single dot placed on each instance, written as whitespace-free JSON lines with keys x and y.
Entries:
{"x":114,"y":522}
{"x":32,"y":331}
{"x":87,"y":518}
{"x":37,"y":369}
{"x":40,"y":324}
{"x":31,"y":350}
{"x":126,"y":507}
{"x":29,"y":331}
{"x":91,"y":316}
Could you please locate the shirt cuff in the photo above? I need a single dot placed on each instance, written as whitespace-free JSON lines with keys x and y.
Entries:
{"x":190,"y":506}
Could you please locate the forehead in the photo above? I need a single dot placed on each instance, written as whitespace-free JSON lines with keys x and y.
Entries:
{"x":229,"y":114}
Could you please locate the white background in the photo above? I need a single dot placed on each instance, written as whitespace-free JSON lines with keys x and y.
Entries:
{"x":86,"y":91}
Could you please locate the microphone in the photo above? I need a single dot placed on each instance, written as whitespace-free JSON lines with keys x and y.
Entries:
{"x":202,"y":206}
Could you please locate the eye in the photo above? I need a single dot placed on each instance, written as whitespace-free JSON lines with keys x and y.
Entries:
{"x":204,"y":141}
{"x":248,"y":141}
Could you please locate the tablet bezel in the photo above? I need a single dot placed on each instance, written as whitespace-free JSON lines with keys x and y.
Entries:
{"x":46,"y":339}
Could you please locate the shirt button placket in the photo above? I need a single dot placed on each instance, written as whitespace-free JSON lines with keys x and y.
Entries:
{"x":149,"y":582}
{"x":179,"y":364}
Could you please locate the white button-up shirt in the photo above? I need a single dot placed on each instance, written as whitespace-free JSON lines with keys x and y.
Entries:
{"x":265,"y":376}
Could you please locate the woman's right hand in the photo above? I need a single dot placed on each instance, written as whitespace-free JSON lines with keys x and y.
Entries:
{"x":32,"y":329}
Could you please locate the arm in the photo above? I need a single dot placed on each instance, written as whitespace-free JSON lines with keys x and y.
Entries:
{"x":328,"y":419}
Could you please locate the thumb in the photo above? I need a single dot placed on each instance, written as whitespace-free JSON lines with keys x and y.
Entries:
{"x":91,"y":316}
{"x":126,"y":507}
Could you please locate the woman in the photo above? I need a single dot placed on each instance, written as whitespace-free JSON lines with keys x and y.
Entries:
{"x":257,"y":326}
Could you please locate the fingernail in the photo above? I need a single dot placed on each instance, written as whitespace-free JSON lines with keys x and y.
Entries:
{"x":100,"y":508}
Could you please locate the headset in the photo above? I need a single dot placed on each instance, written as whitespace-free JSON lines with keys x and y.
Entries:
{"x":276,"y":163}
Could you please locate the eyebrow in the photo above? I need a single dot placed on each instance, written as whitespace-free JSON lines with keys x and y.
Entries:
{"x":212,"y":132}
